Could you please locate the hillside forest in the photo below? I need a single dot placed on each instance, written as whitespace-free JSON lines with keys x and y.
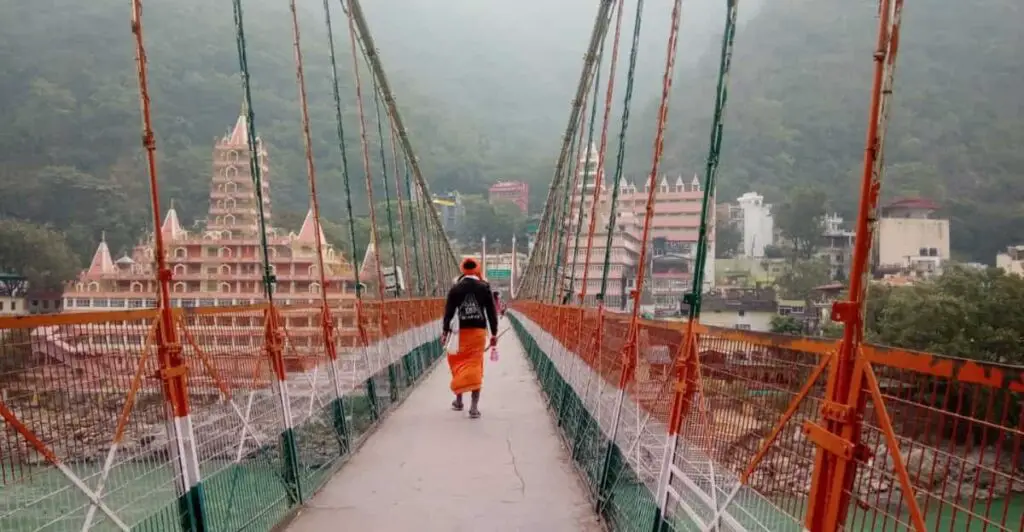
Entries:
{"x":70,"y":158}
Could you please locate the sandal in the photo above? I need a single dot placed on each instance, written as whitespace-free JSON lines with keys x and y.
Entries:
{"x":474,"y":414}
{"x":457,"y":406}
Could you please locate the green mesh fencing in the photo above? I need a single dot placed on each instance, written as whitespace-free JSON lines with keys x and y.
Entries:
{"x":622,"y":499}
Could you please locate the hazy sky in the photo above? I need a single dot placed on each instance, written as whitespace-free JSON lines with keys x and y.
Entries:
{"x":518,"y":62}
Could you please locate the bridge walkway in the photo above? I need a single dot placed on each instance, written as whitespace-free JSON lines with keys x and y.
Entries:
{"x":429,"y":468}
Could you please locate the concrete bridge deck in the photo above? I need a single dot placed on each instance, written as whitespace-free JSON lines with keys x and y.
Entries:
{"x":429,"y":468}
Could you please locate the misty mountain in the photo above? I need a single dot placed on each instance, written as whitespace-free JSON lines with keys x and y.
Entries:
{"x":798,"y":101}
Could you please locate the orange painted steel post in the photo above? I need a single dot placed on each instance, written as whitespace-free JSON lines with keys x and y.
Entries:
{"x":172,"y":368}
{"x":834,"y":473}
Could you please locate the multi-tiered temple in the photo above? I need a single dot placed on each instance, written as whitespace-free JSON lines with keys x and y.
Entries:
{"x":219,"y":262}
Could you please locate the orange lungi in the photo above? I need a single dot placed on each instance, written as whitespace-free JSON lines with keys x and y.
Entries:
{"x":467,"y":364}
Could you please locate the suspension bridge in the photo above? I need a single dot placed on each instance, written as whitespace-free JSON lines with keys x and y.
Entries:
{"x":320,"y":402}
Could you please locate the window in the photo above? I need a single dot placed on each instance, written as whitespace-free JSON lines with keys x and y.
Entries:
{"x":224,"y":287}
{"x":1,"y":305}
{"x":932,"y":252}
{"x":314,"y":288}
{"x":225,"y":269}
{"x":229,"y":220}
{"x":94,"y":286}
{"x":230,"y":187}
{"x":180,"y":287}
{"x":224,"y":252}
{"x":136,"y":286}
{"x":923,"y":252}
{"x":743,"y":326}
{"x":231,"y":172}
{"x":180,"y":269}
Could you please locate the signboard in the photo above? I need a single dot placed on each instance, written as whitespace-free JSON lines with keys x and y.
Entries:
{"x":393,"y":279}
{"x":499,"y":274}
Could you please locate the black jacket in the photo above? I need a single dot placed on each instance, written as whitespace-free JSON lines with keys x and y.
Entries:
{"x":474,"y":302}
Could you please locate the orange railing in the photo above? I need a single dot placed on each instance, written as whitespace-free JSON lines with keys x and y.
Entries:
{"x":951,"y":428}
{"x":85,"y":411}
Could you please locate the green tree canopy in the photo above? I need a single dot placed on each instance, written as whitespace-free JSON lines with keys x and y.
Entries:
{"x":965,"y":312}
{"x":801,"y":278}
{"x":497,"y":222}
{"x":799,"y":219}
{"x":38,"y":253}
{"x":786,"y":325}
{"x":728,"y":240}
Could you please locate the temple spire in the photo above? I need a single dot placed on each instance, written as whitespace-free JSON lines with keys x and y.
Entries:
{"x":101,"y":261}
{"x":307,"y":232}
{"x":171,"y":228}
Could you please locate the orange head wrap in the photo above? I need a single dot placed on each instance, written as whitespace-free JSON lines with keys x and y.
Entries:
{"x":470,"y":266}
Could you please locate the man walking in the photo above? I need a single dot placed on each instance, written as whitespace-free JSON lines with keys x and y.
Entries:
{"x":471,"y":297}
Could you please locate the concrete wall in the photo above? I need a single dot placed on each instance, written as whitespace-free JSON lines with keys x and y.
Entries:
{"x":899,"y":238}
{"x":757,"y":321}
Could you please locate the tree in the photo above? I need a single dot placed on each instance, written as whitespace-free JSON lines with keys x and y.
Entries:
{"x":799,"y":219}
{"x":497,"y":222}
{"x":728,"y":239}
{"x":801,"y":277}
{"x":964,"y":313}
{"x":40,"y":254}
{"x":786,"y":325}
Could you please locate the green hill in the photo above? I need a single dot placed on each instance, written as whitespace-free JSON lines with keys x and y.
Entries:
{"x":70,"y":153}
{"x":798,"y":103}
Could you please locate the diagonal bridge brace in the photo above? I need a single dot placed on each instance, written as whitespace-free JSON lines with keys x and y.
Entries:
{"x":836,"y":444}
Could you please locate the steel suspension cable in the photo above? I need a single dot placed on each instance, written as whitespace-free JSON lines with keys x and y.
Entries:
{"x":398,"y":194}
{"x":602,"y":149}
{"x":601,"y":22}
{"x":387,"y":190}
{"x":685,"y":360}
{"x":346,"y":178}
{"x":415,"y":238}
{"x":356,"y":16}
{"x":621,"y":155}
{"x":540,"y":253}
{"x":586,"y":166}
{"x":327,"y":319}
{"x":630,"y":352}
{"x":659,"y":145}
{"x":374,"y":238}
{"x":269,"y":279}
{"x":693,"y":299}
{"x":570,"y":208}
{"x":274,"y":341}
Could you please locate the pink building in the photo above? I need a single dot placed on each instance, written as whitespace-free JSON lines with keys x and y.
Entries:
{"x":220,"y":264}
{"x":676,"y":220}
{"x":515,"y":191}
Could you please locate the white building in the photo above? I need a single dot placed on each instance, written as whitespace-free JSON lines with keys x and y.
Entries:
{"x":911,"y":241}
{"x":1012,"y":261}
{"x":758,"y":226}
{"x":13,"y":289}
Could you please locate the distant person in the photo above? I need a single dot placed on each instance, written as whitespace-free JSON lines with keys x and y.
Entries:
{"x":474,"y":301}
{"x":499,"y":304}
